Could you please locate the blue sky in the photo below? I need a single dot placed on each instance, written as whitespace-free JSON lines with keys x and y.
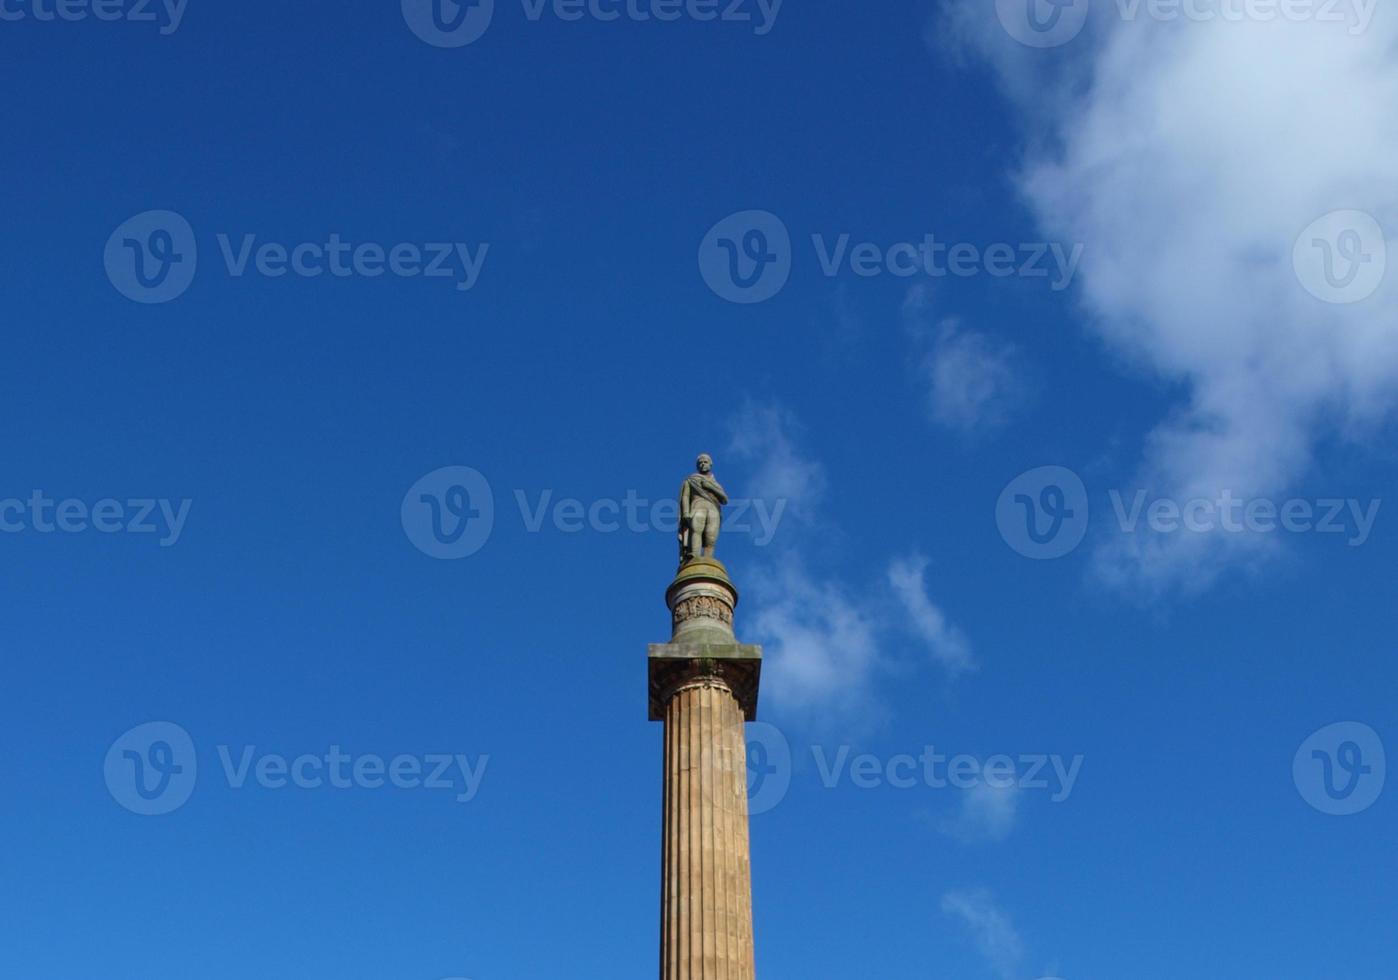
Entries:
{"x":1171,"y":289}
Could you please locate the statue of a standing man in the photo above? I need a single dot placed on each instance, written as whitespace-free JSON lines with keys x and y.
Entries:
{"x":701,"y":500}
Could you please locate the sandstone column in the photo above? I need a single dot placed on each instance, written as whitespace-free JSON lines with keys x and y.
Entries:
{"x":703,"y":686}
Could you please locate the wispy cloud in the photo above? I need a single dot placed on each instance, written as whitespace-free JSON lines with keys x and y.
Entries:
{"x":987,"y":813}
{"x":827,"y":641}
{"x":947,"y":644}
{"x":1192,"y":193}
{"x":974,"y":383}
{"x":822,"y":643}
{"x":765,"y":437}
{"x":991,"y":928}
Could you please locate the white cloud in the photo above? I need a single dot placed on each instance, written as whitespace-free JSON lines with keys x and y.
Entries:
{"x":1189,"y":157}
{"x":825,"y":641}
{"x":974,"y":383}
{"x":947,"y":644}
{"x":987,"y":813}
{"x":764,"y":436}
{"x":991,"y":928}
{"x":822,"y":649}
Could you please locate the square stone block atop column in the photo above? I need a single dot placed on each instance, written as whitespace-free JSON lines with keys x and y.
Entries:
{"x":671,"y":665}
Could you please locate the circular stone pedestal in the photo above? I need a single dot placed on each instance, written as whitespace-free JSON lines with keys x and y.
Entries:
{"x":701,"y":601}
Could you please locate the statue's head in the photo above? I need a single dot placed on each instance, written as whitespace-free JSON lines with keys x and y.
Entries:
{"x":705,"y":462}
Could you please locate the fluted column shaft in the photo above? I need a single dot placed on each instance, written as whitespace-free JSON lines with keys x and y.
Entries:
{"x":706,"y":895}
{"x":703,"y":685}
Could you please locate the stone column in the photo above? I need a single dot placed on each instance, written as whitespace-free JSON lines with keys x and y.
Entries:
{"x":703,"y":686}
